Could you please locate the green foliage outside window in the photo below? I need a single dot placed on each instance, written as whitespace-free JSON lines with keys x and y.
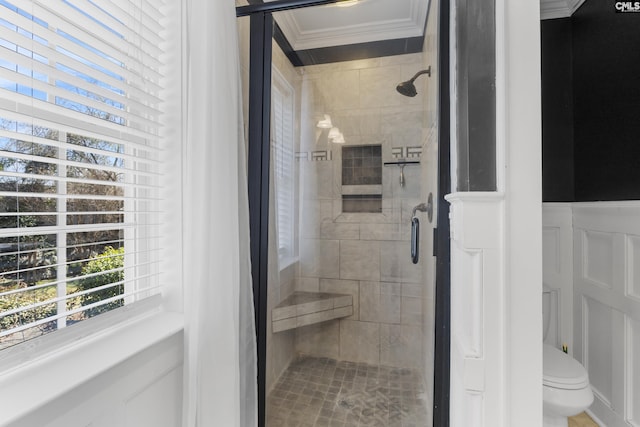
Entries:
{"x":111,"y":262}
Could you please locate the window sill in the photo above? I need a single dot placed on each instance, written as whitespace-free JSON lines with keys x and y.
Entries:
{"x":36,"y":383}
{"x":287,"y":262}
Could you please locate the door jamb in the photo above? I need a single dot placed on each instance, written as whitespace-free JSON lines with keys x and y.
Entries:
{"x":258,"y":184}
{"x":261,"y":31}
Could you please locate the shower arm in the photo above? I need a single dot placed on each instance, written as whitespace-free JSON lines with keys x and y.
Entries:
{"x":422,"y":207}
{"x":425,"y":207}
{"x":421,"y":72}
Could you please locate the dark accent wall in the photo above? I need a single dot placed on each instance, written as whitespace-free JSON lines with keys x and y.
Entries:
{"x":593,"y":142}
{"x":606,"y":94}
{"x":557,"y":111}
{"x":355,"y":51}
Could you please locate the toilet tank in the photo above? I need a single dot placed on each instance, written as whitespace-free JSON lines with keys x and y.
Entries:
{"x":550,"y":316}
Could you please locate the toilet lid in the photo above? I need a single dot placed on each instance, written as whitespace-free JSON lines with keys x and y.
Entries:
{"x":559,"y":370}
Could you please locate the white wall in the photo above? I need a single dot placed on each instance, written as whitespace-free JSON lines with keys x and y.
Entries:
{"x":145,"y":390}
{"x":519,"y":138}
{"x":496,"y":263}
{"x":130,"y":375}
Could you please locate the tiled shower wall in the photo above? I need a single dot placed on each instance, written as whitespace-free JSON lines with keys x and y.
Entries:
{"x":281,"y":345}
{"x":281,"y":281}
{"x":362,"y":254}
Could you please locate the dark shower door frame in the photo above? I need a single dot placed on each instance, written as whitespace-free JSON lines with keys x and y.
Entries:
{"x":260,"y":52}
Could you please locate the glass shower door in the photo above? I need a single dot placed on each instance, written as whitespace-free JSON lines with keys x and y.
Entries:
{"x":350,"y":317}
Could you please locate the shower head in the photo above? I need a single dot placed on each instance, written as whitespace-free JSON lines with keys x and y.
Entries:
{"x":408,"y":88}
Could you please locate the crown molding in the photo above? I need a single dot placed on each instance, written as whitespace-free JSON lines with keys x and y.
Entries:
{"x":406,"y":27}
{"x":552,"y":9}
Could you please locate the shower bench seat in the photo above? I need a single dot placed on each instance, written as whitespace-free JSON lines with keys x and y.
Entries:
{"x":306,"y":308}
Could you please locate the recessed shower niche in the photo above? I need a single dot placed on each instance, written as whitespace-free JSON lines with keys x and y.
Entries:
{"x":362,"y":178}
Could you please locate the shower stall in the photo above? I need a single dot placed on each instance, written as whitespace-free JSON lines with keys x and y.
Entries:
{"x":344,"y":272}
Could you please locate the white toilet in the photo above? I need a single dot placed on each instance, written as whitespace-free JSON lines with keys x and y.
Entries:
{"x":566,"y":391}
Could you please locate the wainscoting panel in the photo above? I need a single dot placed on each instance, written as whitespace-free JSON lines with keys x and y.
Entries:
{"x":551,"y":252}
{"x":557,"y":272}
{"x":598,"y":258}
{"x":607,"y":315}
{"x":633,"y":254}
{"x":634,"y":368}
{"x":598,"y":325}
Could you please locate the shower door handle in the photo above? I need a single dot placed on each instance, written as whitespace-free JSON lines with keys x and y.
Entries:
{"x":415,"y":240}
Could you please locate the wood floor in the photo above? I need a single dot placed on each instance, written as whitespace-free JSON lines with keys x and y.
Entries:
{"x":582,"y":420}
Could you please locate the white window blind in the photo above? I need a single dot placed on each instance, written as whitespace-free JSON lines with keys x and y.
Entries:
{"x":282,"y":144}
{"x":80,"y":98}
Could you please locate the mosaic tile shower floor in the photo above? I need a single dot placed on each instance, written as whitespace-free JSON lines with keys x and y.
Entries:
{"x":321,"y":392}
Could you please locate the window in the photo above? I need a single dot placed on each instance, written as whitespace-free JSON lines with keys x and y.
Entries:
{"x":282,"y":144}
{"x":79,"y":161}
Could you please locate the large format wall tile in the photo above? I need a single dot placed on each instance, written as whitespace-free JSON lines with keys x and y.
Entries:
{"x":342,"y":231}
{"x":321,"y":339}
{"x":317,"y":179}
{"x":390,"y":261}
{"x":320,"y":258}
{"x":385,"y":231}
{"x":400,"y":345}
{"x":370,"y":123}
{"x":316,"y":212}
{"x":380,"y":303}
{"x":411,"y":311}
{"x":359,"y":341}
{"x":341,"y":89}
{"x":308,"y":284}
{"x":396,"y":265}
{"x":412,"y":290}
{"x":378,"y":87}
{"x":349,"y":287}
{"x":360,"y":260}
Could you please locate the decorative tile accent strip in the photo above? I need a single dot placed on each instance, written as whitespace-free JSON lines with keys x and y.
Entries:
{"x":397,"y":152}
{"x":413,"y":152}
{"x":314,"y":156}
{"x":319,"y":156}
{"x":406,"y":152}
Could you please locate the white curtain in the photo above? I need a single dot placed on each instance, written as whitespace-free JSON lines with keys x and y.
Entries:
{"x":220,"y":354}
